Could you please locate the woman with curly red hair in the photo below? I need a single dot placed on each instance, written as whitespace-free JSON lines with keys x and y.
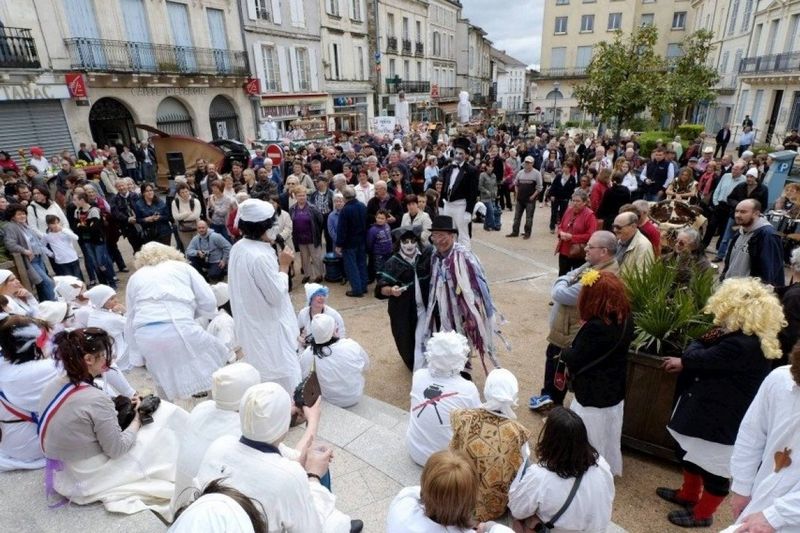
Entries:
{"x":597,"y":362}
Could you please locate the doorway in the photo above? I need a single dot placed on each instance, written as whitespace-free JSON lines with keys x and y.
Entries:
{"x":773,"y":116}
{"x":111,"y":123}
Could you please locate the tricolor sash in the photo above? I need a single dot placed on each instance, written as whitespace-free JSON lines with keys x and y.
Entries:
{"x":52,"y":408}
{"x":21,"y":414}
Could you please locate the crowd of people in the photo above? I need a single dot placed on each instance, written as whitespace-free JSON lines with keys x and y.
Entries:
{"x":208,"y":310}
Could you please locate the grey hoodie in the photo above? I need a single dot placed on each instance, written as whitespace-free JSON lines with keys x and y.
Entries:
{"x":216,"y":246}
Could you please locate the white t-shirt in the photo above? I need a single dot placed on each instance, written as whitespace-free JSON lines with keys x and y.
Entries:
{"x":340,"y":374}
{"x":61,"y":243}
{"x":432,"y":401}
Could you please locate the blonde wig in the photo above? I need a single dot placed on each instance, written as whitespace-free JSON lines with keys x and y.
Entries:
{"x":154,"y":253}
{"x":747,"y":305}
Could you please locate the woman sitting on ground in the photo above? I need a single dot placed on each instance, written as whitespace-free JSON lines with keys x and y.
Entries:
{"x":20,"y":300}
{"x":542,"y":488}
{"x":90,"y":457}
{"x":340,"y":363}
{"x":317,"y":303}
{"x":221,"y":509}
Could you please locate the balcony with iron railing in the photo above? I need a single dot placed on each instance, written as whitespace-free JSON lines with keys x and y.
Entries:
{"x":395,"y":85}
{"x":562,"y":73}
{"x":786,"y":63}
{"x":17,"y":48}
{"x":100,"y":55}
{"x":407,"y":47}
{"x":449,"y":92}
{"x":391,"y":45}
{"x":419,"y":49}
{"x":726,"y":84}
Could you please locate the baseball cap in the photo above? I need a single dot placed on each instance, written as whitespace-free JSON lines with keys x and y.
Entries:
{"x":529,"y":159}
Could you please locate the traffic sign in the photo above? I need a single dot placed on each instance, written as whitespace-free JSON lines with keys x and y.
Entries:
{"x":275,"y":152}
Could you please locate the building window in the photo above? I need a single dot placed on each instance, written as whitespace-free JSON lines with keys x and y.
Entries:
{"x":272,"y":78}
{"x":392,"y":68}
{"x":405,"y":28}
{"x":558,"y":57}
{"x":263,"y":10}
{"x":748,"y":10}
{"x":723,"y":65}
{"x":589,"y":1}
{"x":734,"y":13}
{"x":420,"y":76}
{"x":406,"y":69}
{"x":303,"y":69}
{"x":561,"y":25}
{"x":674,"y":50}
{"x":436,"y":44}
{"x":333,"y":7}
{"x":743,"y":104}
{"x":648,"y":19}
{"x":679,"y":20}
{"x":390,"y":24}
{"x":357,"y":10}
{"x":587,"y":23}
{"x":648,"y":1}
{"x":584,"y":56}
{"x":562,"y":2}
{"x":614,"y":21}
{"x":335,"y":61}
{"x":361,"y":72}
{"x":450,"y":49}
{"x":419,"y":31}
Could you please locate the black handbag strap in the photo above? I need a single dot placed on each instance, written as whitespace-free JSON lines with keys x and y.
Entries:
{"x":601,"y":359}
{"x":550,"y":524}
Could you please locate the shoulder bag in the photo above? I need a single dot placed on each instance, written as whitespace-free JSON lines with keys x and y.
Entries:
{"x":534,"y":524}
{"x":563,"y":378}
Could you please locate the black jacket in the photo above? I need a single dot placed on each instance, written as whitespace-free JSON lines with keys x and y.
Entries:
{"x":719,"y":380}
{"x":766,"y":255}
{"x":603,"y":384}
{"x":563,"y":192}
{"x":614,"y":198}
{"x":723,"y":136}
{"x":739,"y":193}
{"x":465,"y":186}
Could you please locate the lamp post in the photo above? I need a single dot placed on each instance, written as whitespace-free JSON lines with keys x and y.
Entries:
{"x":555,"y":99}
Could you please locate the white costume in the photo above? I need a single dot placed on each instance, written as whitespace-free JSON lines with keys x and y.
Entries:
{"x":771,"y":425}
{"x":213,"y":513}
{"x":304,"y":316}
{"x":539,"y":491}
{"x":266,"y":325}
{"x":407,"y":515}
{"x":436,"y":392}
{"x":113,"y":323}
{"x":208,"y":421}
{"x":291,"y":501}
{"x":18,"y":306}
{"x":162,"y":301}
{"x":341,"y":367}
{"x":464,"y":107}
{"x":401,"y":113}
{"x":68,"y":289}
{"x":21,"y":387}
{"x":222,"y":325}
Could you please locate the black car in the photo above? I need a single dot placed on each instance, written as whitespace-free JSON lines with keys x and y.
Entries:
{"x":234,"y":151}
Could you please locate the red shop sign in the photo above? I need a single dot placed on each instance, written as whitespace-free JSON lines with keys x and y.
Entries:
{"x":252,"y":87}
{"x":76,"y":85}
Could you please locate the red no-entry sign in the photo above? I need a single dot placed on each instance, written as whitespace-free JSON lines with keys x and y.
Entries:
{"x":275,"y":152}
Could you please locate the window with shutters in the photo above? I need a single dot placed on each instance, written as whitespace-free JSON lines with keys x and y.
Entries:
{"x":723,"y":65}
{"x":743,"y":104}
{"x":272,"y":78}
{"x":587,"y":23}
{"x":734,"y":13}
{"x":390,"y":24}
{"x":357,"y":11}
{"x":614,"y":21}
{"x":263,"y":9}
{"x":335,"y":61}
{"x":333,"y":7}
{"x":361,"y":73}
{"x":303,"y":69}
{"x":561,"y":25}
{"x":406,"y":69}
{"x":392,"y":68}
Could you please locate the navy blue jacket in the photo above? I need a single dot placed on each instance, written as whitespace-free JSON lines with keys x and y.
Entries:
{"x":766,"y":255}
{"x":352,"y":229}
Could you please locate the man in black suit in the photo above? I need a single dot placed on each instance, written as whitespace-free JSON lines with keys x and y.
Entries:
{"x":460,"y":190}
{"x":723,"y":138}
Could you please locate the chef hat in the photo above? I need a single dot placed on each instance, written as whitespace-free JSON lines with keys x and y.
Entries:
{"x":315,"y":289}
{"x":322,"y":328}
{"x":52,"y":312}
{"x":229,"y":383}
{"x":213,"y":513}
{"x":753,"y":172}
{"x":254,"y":210}
{"x":500,"y":392}
{"x":4,"y":275}
{"x":221,"y":293}
{"x":265,"y":413}
{"x":68,"y":287}
{"x":99,"y":295}
{"x":446,"y":353}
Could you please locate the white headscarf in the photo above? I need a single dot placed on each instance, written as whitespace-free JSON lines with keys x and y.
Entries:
{"x":100,"y":294}
{"x":229,"y":383}
{"x":221,"y":293}
{"x":68,"y":287}
{"x":4,"y":275}
{"x":446,"y":353}
{"x":500,"y":392}
{"x":322,"y":328}
{"x":265,"y":413}
{"x":213,"y":513}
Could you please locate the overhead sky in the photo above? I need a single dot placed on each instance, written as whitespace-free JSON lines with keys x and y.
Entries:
{"x":513,"y":25}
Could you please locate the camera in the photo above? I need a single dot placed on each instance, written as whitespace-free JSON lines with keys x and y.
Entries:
{"x":147,"y":406}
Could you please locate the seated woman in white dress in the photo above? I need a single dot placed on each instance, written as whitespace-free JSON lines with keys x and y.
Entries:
{"x":221,"y":509}
{"x":293,"y":499}
{"x":108,"y":313}
{"x":316,"y":300}
{"x":90,"y":457}
{"x":542,"y":488}
{"x":24,"y":373}
{"x":210,"y":420}
{"x":222,"y":325}
{"x":72,"y":291}
{"x":436,"y":390}
{"x":163,"y":298}
{"x":444,"y":502}
{"x":20,"y":300}
{"x":340,"y":363}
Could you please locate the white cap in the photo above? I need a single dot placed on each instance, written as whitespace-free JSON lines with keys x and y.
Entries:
{"x":753,"y":172}
{"x":99,"y":295}
{"x":229,"y":383}
{"x":446,"y":353}
{"x":221,"y":293}
{"x":265,"y":413}
{"x":52,"y":312}
{"x":68,"y":287}
{"x":254,"y":210}
{"x":4,"y":275}
{"x":322,"y":328}
{"x":500,"y":391}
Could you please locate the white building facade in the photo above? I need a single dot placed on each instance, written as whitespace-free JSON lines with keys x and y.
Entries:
{"x":508,"y":78}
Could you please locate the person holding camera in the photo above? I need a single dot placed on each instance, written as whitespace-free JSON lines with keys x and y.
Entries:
{"x":90,"y":456}
{"x":208,"y":252}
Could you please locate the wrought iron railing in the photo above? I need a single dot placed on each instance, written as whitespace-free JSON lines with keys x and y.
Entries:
{"x":17,"y":48}
{"x":123,"y":56}
{"x":391,"y":45}
{"x":395,"y":85}
{"x":407,"y":46}
{"x":419,"y":49}
{"x":788,"y":62}
{"x":449,"y":92}
{"x":562,"y":72}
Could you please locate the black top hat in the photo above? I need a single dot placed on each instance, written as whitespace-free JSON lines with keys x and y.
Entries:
{"x":403,"y":231}
{"x":463,"y":143}
{"x":443,"y":223}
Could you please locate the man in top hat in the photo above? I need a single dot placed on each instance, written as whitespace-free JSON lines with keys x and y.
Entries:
{"x":460,"y":189}
{"x":258,"y":283}
{"x":460,"y":299}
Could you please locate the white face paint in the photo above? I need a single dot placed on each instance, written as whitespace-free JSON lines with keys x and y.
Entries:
{"x":459,"y":156}
{"x":408,"y":248}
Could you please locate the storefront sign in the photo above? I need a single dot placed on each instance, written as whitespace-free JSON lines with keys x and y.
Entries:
{"x":76,"y":85}
{"x":383,"y":124}
{"x":33,"y":92}
{"x":169,"y":91}
{"x":434,"y":91}
{"x":252,"y":87}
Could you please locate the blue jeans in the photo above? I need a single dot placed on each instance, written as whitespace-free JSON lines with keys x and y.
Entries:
{"x":46,"y":287}
{"x":355,"y":268}
{"x":490,"y":222}
{"x":69,"y":269}
{"x":725,"y":240}
{"x":222,"y":230}
{"x":102,"y":263}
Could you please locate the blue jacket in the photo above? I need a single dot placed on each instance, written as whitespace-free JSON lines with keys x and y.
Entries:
{"x":352,"y":229}
{"x":216,"y":247}
{"x":159,"y":207}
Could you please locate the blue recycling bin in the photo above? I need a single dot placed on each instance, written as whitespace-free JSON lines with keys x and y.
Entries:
{"x":779,"y":170}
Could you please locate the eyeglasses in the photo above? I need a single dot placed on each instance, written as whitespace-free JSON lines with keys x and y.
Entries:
{"x":619,"y":227}
{"x":590,"y":247}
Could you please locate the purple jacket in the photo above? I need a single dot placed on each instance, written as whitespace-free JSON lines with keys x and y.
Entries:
{"x":379,"y":239}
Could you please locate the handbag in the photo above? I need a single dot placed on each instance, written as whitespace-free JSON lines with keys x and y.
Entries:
{"x":577,"y":250}
{"x":309,"y":390}
{"x":187,"y":225}
{"x":535,"y":525}
{"x":563,"y":378}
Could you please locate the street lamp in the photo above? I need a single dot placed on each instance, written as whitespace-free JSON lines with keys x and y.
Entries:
{"x":556,"y":94}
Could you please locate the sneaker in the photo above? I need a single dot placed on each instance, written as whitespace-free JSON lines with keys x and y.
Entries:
{"x":537,"y":402}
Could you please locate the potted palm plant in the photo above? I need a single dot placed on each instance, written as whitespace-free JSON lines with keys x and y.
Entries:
{"x":667,"y":307}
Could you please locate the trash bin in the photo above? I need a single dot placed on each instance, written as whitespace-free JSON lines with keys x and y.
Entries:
{"x":334,"y":270}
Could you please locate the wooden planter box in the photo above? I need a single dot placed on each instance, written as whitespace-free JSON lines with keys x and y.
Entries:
{"x":649,"y":395}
